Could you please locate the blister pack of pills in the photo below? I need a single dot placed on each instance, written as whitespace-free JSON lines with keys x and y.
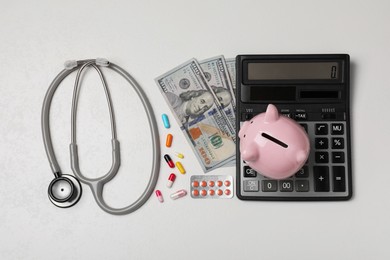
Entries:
{"x":212,"y":187}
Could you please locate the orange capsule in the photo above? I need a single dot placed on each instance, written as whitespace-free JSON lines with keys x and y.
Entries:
{"x":168,"y":142}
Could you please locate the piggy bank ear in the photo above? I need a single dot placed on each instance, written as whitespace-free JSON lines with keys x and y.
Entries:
{"x":272,"y":114}
{"x":243,"y":129}
{"x":249,"y":152}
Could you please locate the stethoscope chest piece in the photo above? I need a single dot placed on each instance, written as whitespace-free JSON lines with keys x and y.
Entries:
{"x":64,"y":191}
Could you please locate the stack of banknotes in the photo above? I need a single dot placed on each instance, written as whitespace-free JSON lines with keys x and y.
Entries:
{"x":201,"y":96}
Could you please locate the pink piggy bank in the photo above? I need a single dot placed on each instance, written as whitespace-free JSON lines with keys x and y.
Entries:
{"x":273,"y":145}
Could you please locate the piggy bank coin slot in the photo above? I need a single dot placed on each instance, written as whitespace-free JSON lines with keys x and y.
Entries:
{"x":273,"y":139}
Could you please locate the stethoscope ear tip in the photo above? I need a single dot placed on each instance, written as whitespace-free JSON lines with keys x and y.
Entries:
{"x":64,"y":191}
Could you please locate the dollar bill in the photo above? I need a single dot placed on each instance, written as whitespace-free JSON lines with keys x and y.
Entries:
{"x":200,"y":115}
{"x":218,"y":79}
{"x":231,"y":66}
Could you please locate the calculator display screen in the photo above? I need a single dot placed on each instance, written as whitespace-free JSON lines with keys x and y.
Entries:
{"x":293,"y":70}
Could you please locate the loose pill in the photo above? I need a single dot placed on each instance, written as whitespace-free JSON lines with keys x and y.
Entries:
{"x":169,"y":161}
{"x":168,"y":142}
{"x":180,"y":155}
{"x":180,"y":167}
{"x":171,"y":180}
{"x":159,"y":196}
{"x":165,"y":121}
{"x":178,"y":194}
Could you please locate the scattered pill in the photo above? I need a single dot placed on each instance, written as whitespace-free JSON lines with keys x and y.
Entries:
{"x":178,"y":194}
{"x":180,"y":155}
{"x":180,"y":167}
{"x":171,"y":180}
{"x":168,"y":142}
{"x":165,"y":121}
{"x":159,"y":196}
{"x":169,"y":161}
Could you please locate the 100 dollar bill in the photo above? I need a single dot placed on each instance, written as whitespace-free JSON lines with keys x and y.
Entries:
{"x":200,"y":115}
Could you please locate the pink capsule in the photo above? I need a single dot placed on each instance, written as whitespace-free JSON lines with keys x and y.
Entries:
{"x":178,"y":194}
{"x":159,"y":196}
{"x":171,"y":180}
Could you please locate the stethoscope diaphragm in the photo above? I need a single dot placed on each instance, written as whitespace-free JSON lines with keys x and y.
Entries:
{"x":64,"y":191}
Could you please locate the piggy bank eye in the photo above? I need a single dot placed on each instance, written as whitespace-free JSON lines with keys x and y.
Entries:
{"x":252,"y":122}
{"x":244,"y":136}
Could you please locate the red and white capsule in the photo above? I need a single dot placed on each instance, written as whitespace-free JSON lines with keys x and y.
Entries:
{"x":159,"y":196}
{"x":171,"y":180}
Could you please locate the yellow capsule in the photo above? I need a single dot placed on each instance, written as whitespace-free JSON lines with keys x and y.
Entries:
{"x":180,"y":167}
{"x":180,"y":155}
{"x":168,"y":142}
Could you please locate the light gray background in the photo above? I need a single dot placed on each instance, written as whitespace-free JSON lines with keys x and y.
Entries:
{"x":148,"y":38}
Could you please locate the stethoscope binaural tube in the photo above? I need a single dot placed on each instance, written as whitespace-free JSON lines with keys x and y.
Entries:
{"x":97,"y":184}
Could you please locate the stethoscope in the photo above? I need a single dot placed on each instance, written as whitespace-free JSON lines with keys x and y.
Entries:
{"x":65,"y":190}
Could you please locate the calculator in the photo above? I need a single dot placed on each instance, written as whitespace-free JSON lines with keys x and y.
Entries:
{"x":312,"y":89}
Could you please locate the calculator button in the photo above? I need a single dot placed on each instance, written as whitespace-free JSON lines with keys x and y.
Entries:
{"x":304,"y":127}
{"x":337,"y":143}
{"x":321,"y":178}
{"x":338,"y":157}
{"x":321,"y":129}
{"x":322,"y":157}
{"x":249,"y":172}
{"x":300,"y":116}
{"x":321,"y":143}
{"x":328,"y":116}
{"x":302,"y":185}
{"x":251,"y":185}
{"x":337,"y":129}
{"x":338,"y":178}
{"x":303,"y":172}
{"x":287,"y":114}
{"x":246,"y":116}
{"x":269,"y":185}
{"x":286,"y":185}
